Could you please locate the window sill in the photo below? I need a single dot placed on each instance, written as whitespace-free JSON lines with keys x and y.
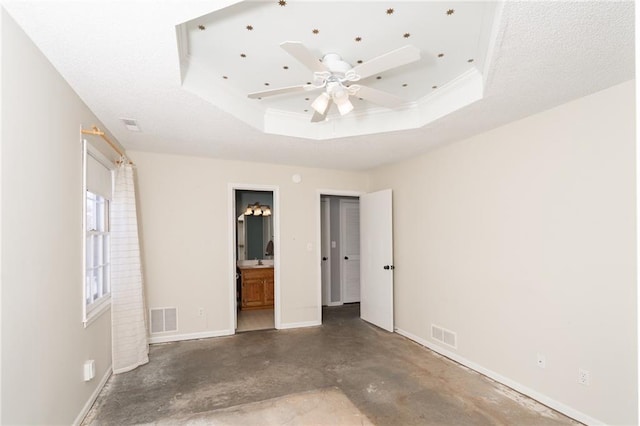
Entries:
{"x":97,"y":310}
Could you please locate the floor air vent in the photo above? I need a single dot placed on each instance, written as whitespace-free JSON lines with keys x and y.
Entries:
{"x":163,"y":320}
{"x":443,"y":335}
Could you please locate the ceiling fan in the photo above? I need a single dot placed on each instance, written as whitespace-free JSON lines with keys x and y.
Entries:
{"x":336,"y":77}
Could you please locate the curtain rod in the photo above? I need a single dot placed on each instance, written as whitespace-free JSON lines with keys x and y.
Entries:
{"x":97,"y":132}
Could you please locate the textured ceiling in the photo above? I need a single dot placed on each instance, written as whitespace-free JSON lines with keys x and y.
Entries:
{"x":122,"y":58}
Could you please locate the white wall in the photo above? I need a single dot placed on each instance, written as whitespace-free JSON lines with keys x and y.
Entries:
{"x":44,"y":342}
{"x":184,"y":233}
{"x":524,"y":244}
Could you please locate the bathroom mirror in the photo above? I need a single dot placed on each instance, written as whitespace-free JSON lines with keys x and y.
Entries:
{"x":254,"y":232}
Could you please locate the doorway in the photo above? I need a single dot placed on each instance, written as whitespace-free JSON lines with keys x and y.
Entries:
{"x":340,"y":249}
{"x":254,"y":235}
{"x":375,"y":238}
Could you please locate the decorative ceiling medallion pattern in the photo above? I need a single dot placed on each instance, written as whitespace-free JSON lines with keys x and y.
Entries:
{"x":465,"y":35}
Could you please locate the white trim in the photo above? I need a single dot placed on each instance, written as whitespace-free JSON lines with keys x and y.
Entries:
{"x":543,"y":399}
{"x":325,"y":207}
{"x":87,"y":406}
{"x":496,"y":37}
{"x":318,"y":209}
{"x":335,"y":304}
{"x":231,"y":206}
{"x":637,"y":222}
{"x":97,"y":310}
{"x":190,"y":336}
{"x":290,"y":325}
{"x":83,"y":231}
{"x":342,"y":208}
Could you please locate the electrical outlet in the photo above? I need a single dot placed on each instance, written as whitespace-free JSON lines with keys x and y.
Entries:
{"x":541,"y":361}
{"x":584,"y":377}
{"x":200,"y":312}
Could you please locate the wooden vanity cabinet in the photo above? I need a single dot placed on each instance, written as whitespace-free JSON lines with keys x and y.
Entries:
{"x":256,"y":288}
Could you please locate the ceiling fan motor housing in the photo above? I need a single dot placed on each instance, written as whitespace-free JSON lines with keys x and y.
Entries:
{"x":335,"y":64}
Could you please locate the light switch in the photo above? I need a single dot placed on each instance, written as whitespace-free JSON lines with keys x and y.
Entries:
{"x":333,"y":244}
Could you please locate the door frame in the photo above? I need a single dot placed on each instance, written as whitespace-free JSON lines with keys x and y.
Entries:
{"x":325,"y":207}
{"x":343,"y":237}
{"x":318,"y":209}
{"x":231,"y":226}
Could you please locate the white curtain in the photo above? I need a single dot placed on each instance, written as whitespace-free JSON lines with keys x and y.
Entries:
{"x":130,"y":347}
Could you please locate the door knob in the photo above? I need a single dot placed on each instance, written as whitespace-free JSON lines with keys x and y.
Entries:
{"x":324,"y":258}
{"x":346,"y":258}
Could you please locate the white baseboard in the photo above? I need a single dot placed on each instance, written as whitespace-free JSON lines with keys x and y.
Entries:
{"x":543,"y":399}
{"x":87,"y":406}
{"x":190,"y":336}
{"x":334,"y":303}
{"x":299,"y":324}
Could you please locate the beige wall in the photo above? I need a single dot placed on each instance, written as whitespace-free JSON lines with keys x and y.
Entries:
{"x":522,"y":241}
{"x":183,"y":210}
{"x":44,"y":343}
{"x":524,"y":245}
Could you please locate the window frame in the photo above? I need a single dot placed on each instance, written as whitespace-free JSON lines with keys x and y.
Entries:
{"x":91,"y":311}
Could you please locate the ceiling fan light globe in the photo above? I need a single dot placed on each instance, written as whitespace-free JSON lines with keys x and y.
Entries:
{"x":321,"y":103}
{"x":339,"y":94}
{"x":344,"y":105}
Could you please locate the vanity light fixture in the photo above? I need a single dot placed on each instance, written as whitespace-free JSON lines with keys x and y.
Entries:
{"x":257,"y":210}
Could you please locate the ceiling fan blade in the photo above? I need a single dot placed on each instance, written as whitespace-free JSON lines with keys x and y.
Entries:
{"x":281,"y":91}
{"x":317,"y":117}
{"x":303,"y":55}
{"x":395,"y":58}
{"x":379,"y":97}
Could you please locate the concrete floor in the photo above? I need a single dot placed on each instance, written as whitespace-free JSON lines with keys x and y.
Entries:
{"x":344,"y":372}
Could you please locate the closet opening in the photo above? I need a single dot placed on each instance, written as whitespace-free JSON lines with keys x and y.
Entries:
{"x":340,"y":249}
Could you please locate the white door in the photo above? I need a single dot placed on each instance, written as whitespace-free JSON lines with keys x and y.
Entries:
{"x":376,"y":248}
{"x":350,"y":250}
{"x":325,"y":266}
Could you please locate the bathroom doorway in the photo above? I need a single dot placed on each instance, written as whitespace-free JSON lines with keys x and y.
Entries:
{"x":254,"y":259}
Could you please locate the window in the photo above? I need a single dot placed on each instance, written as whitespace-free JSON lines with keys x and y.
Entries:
{"x":97,"y":279}
{"x":98,"y":187}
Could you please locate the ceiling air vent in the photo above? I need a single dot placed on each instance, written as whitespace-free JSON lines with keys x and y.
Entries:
{"x":130,"y":124}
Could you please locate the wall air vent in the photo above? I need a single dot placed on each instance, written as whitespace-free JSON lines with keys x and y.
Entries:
{"x":163,"y":320}
{"x":131,"y":124}
{"x":444,"y":336}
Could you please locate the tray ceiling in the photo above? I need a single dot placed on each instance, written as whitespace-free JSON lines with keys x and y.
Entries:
{"x":236,"y":51}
